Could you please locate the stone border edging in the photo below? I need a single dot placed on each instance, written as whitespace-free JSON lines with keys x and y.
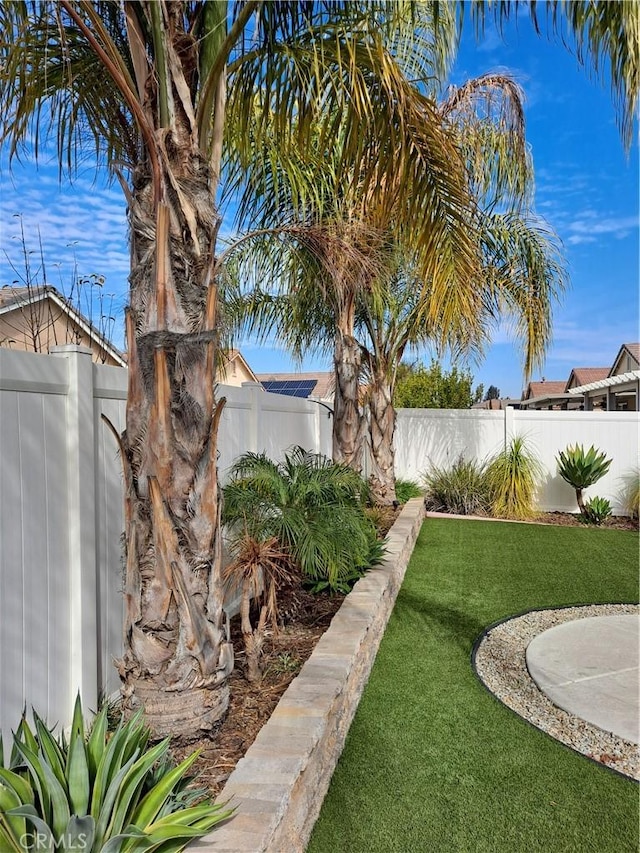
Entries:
{"x":280,"y":784}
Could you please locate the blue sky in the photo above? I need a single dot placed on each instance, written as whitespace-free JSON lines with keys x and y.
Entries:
{"x":586,"y":188}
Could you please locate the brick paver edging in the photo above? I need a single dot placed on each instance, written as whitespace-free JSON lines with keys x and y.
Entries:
{"x":279,"y":785}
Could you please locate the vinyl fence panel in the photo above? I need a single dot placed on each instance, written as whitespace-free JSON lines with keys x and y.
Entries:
{"x":433,"y":437}
{"x":61,"y":502}
{"x":61,"y":518}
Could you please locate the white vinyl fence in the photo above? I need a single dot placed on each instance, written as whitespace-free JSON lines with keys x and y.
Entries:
{"x":61,"y":518}
{"x":61,"y":503}
{"x":428,"y":437}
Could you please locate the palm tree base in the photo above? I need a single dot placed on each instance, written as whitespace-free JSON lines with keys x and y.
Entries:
{"x":183,"y":714}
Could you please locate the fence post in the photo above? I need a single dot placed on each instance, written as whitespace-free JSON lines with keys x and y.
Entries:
{"x":254,"y":414}
{"x":509,"y":425}
{"x":83,"y":627}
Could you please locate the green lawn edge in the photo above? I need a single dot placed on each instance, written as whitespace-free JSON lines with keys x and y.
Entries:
{"x":433,"y":761}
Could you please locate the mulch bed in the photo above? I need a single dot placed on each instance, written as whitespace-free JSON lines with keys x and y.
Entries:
{"x":567,"y":519}
{"x":305,"y":618}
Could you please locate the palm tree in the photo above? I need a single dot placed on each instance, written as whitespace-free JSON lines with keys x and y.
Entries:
{"x":157,"y":90}
{"x":485,"y":117}
{"x":521,"y":273}
{"x":328,"y":191}
{"x":523,"y":277}
{"x":161,"y":92}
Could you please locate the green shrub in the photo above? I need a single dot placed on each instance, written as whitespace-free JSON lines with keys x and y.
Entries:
{"x":631,"y":493}
{"x":314,"y":508}
{"x":98,"y":793}
{"x":461,"y":489}
{"x":596,"y":510}
{"x":512,"y":476}
{"x":582,"y":469}
{"x":407,"y":489}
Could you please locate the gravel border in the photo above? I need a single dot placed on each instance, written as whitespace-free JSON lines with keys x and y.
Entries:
{"x":499,"y":661}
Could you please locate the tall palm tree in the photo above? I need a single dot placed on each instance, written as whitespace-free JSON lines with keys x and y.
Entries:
{"x":155,"y":89}
{"x":523,"y":277}
{"x":161,"y":92}
{"x":485,"y":118}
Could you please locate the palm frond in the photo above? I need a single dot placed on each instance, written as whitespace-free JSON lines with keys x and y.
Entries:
{"x":605,"y":37}
{"x":54,"y":86}
{"x":488,"y":113}
{"x":525,"y":278}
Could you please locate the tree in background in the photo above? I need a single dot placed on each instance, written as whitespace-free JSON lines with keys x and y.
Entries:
{"x":435,"y":388}
{"x":493,"y":393}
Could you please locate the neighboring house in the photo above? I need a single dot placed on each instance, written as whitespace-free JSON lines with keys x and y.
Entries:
{"x":583,"y":375}
{"x":234,"y":369}
{"x":497,"y":404}
{"x":313,"y":386}
{"x":611,"y":389}
{"x":619,"y":389}
{"x":546,"y":394}
{"x":35,"y":319}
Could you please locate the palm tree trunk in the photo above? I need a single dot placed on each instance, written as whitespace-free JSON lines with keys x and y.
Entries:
{"x":382,"y":428}
{"x":177,"y":652}
{"x":347,"y":418}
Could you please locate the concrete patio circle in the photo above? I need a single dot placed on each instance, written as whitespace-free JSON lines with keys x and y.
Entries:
{"x":589,"y":667}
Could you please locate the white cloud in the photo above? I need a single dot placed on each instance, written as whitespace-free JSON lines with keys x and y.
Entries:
{"x":590,"y":223}
{"x":576,"y":239}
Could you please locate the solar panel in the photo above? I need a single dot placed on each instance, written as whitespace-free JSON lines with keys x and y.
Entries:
{"x":290,"y":387}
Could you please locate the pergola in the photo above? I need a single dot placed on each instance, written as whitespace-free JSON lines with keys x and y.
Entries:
{"x":615,"y":393}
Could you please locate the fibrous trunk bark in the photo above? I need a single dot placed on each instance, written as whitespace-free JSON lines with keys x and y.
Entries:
{"x":382,"y":428}
{"x":253,"y":638}
{"x":347,"y":417}
{"x":177,"y":652}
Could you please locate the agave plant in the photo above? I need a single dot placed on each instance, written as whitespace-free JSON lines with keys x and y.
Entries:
{"x":582,"y":469}
{"x":313,"y":507}
{"x":513,"y":476}
{"x":98,"y":793}
{"x":596,"y":510}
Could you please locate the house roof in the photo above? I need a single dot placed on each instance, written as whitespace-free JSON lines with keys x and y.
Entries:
{"x":583,"y":375}
{"x":501,"y":403}
{"x":633,"y":350}
{"x":321,"y":390}
{"x":545,"y":387}
{"x":14,"y":298}
{"x":235,"y":355}
{"x":608,"y":382}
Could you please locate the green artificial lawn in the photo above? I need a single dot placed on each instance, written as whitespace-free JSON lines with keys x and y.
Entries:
{"x":433,"y":762}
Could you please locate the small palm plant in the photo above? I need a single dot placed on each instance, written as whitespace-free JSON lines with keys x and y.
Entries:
{"x":311,"y":506}
{"x":258,"y":567}
{"x":513,"y":476}
{"x":101,"y":792}
{"x":582,"y":469}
